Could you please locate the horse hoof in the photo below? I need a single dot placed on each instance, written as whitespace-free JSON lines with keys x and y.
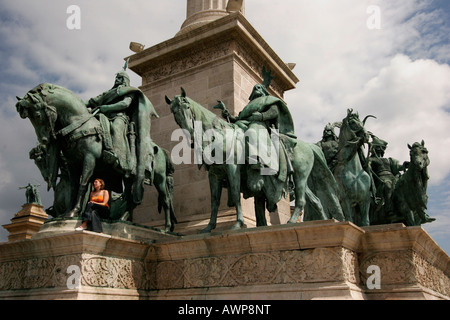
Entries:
{"x":71,"y":214}
{"x":293,"y":219}
{"x":168,"y":228}
{"x":238,"y":225}
{"x":208,"y":229}
{"x":125,"y":216}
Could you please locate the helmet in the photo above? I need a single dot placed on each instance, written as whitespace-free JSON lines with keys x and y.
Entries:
{"x":123,"y":75}
{"x":378,"y":142}
{"x":125,"y":78}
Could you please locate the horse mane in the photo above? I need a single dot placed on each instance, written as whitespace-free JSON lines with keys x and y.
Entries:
{"x":38,"y":96}
{"x":414,"y":182}
{"x":344,"y":129}
{"x":216,"y":121}
{"x":423,"y":173}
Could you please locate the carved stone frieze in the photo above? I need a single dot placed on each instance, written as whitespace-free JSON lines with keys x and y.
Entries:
{"x":200,"y":56}
{"x":253,"y":62}
{"x":406,"y":268}
{"x":48,"y":272}
{"x":285,"y":267}
{"x":270,"y":258}
{"x":185,"y":61}
{"x":110,"y":272}
{"x":396,"y":267}
{"x":51,"y":272}
{"x":431,"y":277}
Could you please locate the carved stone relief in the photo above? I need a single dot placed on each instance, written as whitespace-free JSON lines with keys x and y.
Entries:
{"x":48,"y":272}
{"x":286,"y":267}
{"x":185,"y":61}
{"x":406,"y":267}
{"x":197,"y":57}
{"x":109,"y":272}
{"x":431,"y":277}
{"x":396,"y":267}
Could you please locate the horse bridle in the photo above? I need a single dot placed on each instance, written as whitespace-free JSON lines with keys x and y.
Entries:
{"x":183,"y":104}
{"x":41,"y":105}
{"x":51,"y":114}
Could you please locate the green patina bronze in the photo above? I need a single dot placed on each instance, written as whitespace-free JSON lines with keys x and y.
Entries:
{"x":32,"y":194}
{"x":353,"y":180}
{"x":410,"y":197}
{"x":110,"y":139}
{"x":385,"y":173}
{"x":330,"y":144}
{"x":298,"y":160}
{"x":399,"y":198}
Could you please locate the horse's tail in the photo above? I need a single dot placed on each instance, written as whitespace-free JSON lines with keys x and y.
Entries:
{"x":170,"y":167}
{"x":170,"y":170}
{"x":323,"y":184}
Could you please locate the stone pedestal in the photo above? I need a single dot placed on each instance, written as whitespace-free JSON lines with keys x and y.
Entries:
{"x":310,"y":260}
{"x":61,"y":263}
{"x":221,"y":60}
{"x":26,"y":222}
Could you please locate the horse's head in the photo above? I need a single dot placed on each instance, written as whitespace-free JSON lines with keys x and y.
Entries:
{"x":42,"y":116}
{"x":354,"y":127}
{"x":182,"y":111}
{"x":419,"y":155}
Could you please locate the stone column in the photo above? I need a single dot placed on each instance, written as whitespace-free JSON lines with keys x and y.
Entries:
{"x":201,"y":12}
{"x":221,"y":61}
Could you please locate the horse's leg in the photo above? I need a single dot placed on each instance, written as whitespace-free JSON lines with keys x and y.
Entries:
{"x":348,"y":210}
{"x":215,"y":186}
{"x":163,"y":197}
{"x":302,"y":168}
{"x":86,"y":174}
{"x":127,"y":214}
{"x":364,"y":201}
{"x":316,"y":204}
{"x":163,"y":200}
{"x":408,"y":214}
{"x":300,"y":201}
{"x":365,"y":212}
{"x":234,"y":181}
{"x":260,"y":210}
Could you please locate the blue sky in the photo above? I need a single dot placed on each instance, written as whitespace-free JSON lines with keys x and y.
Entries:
{"x":400,"y":72}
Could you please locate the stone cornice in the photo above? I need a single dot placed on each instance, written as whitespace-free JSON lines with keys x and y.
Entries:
{"x":285,"y":259}
{"x":232,"y":27}
{"x":307,"y":235}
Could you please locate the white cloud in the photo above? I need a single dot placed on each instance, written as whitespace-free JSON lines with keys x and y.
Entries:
{"x":399,"y":74}
{"x":409,"y":98}
{"x":389,"y":73}
{"x":85,"y":59}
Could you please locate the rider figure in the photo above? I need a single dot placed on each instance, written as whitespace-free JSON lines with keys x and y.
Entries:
{"x":129,"y":111}
{"x":385,"y":173}
{"x":330,"y":146}
{"x":114,"y":106}
{"x":269,"y":132}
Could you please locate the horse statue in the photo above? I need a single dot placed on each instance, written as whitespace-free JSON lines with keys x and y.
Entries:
{"x":234,"y":172}
{"x":410,"y":193}
{"x":353,"y":180}
{"x":71,"y":144}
